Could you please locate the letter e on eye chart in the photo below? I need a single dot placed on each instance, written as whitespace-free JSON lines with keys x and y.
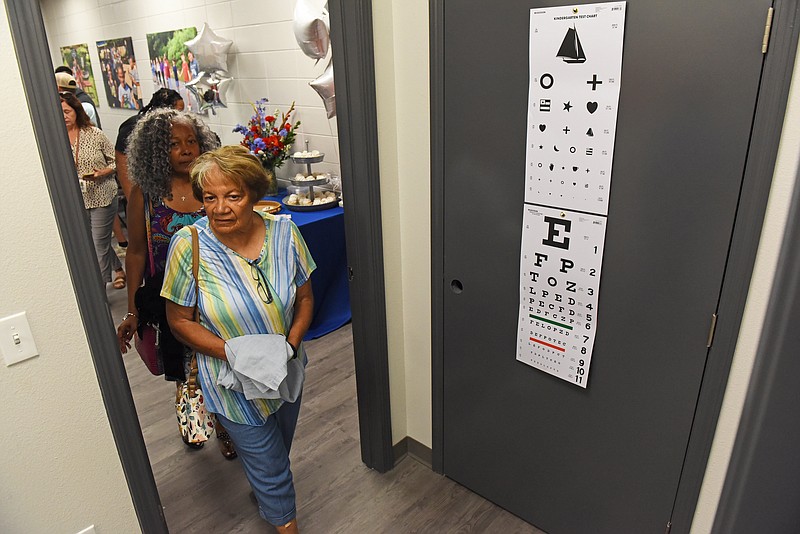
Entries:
{"x":573,"y":95}
{"x":560,"y":266}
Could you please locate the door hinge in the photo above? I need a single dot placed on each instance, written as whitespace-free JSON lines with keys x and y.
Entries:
{"x":669,"y":527}
{"x":711,"y":330}
{"x":767,"y":27}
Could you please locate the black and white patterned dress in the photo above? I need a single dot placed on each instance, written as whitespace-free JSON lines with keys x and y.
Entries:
{"x":95,"y":152}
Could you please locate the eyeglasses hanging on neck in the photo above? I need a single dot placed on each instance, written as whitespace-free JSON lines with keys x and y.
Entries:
{"x":261,"y":279}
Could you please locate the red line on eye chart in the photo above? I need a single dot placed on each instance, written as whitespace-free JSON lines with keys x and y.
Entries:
{"x":547,"y":344}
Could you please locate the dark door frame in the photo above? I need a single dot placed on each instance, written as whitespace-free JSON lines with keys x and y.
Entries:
{"x":351,"y":33}
{"x":757,"y":179}
{"x":761,"y":488}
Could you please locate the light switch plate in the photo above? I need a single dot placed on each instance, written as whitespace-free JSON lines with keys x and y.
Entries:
{"x":16,"y":340}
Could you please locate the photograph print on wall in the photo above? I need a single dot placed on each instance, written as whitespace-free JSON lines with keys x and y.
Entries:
{"x":120,"y":73}
{"x":172,"y":65}
{"x":76,"y":57}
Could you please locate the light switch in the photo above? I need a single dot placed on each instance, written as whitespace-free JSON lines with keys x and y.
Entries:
{"x":16,"y":340}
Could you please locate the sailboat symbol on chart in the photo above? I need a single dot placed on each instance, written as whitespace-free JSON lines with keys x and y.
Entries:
{"x":571,"y":50}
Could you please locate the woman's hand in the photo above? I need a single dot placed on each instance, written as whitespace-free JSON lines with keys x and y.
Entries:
{"x":99,"y":174}
{"x":125,"y":331}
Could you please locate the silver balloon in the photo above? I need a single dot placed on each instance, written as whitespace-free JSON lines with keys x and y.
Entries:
{"x":210,"y":49}
{"x":312,"y":28}
{"x":209,"y":90}
{"x":324,"y":87}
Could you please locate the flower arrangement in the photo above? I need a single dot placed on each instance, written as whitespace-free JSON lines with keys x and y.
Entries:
{"x":266,"y":137}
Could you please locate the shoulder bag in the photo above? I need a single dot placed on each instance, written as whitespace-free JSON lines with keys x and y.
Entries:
{"x":147,"y":338}
{"x":195,"y":423}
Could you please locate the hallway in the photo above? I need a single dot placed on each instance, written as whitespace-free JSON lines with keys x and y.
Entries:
{"x":201,"y":491}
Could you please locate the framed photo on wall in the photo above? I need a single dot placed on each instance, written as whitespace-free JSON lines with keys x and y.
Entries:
{"x":76,"y":57}
{"x":120,"y":73}
{"x":172,"y":64}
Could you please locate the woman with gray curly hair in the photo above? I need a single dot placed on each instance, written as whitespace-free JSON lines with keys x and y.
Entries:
{"x":161,"y":150}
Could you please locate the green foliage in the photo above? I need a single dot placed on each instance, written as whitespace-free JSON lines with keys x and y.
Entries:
{"x":170,"y":44}
{"x":176,"y":46}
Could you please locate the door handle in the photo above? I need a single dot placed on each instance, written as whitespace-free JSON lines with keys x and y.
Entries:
{"x":456,"y":286}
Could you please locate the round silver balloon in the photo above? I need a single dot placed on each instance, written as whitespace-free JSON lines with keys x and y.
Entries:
{"x":209,"y":90}
{"x":325,"y":88}
{"x":312,"y":28}
{"x":210,"y":50}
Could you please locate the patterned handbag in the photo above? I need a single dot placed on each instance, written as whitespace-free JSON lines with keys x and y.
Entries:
{"x":195,"y":423}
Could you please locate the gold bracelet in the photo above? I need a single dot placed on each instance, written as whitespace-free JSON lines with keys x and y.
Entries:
{"x":129,"y":314}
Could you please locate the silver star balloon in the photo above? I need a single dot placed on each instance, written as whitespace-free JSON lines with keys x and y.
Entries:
{"x":324,"y":87}
{"x":210,"y":49}
{"x":312,"y":28}
{"x":209,"y":90}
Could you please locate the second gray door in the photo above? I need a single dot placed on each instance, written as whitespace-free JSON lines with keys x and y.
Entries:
{"x":607,"y":458}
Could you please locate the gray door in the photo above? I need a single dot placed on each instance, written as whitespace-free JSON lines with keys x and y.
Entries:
{"x":607,"y":458}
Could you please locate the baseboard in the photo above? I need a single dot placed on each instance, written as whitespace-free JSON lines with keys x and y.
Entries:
{"x":411,"y":447}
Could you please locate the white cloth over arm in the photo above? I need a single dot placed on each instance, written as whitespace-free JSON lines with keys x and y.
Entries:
{"x":261,"y":366}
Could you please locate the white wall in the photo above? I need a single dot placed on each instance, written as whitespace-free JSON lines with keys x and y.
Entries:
{"x":388,"y":148}
{"x":403,"y":105}
{"x":59,"y":471}
{"x":264,"y":59}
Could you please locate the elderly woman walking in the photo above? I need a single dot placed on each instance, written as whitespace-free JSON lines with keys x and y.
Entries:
{"x":253,"y":285}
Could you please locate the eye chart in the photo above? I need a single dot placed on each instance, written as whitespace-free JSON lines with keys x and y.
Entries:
{"x":575,"y":68}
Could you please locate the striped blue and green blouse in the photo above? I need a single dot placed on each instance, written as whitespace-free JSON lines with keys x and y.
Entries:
{"x":229,"y":302}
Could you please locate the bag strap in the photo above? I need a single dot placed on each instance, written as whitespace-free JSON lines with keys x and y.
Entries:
{"x":77,"y":150}
{"x":148,"y":206}
{"x":192,"y":380}
{"x":195,"y":267}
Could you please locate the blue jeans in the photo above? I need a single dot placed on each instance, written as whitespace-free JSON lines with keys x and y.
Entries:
{"x":264,"y":452}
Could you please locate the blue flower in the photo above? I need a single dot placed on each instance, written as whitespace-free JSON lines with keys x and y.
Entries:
{"x":259,"y":143}
{"x":283,"y":133}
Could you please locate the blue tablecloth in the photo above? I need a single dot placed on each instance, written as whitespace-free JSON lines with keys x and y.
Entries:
{"x":323,"y":232}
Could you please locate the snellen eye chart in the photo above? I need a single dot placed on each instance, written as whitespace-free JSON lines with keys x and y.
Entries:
{"x":573,"y":95}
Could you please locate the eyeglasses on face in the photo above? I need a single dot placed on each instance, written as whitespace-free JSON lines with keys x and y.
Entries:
{"x":261,"y":279}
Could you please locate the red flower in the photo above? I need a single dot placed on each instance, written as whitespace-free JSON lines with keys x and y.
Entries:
{"x":269,"y":118}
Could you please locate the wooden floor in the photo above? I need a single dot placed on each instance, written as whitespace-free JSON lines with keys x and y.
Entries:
{"x":336,"y":493}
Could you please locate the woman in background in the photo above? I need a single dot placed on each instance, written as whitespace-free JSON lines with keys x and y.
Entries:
{"x":161,"y":149}
{"x":184,"y":69}
{"x":94,"y":162}
{"x":163,"y":98}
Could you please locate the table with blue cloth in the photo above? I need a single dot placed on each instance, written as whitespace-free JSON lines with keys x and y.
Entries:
{"x":323,"y":232}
